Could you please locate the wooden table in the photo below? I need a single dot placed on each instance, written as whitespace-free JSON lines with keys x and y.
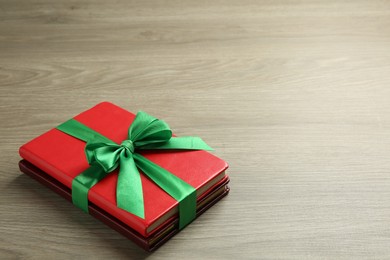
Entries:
{"x":295,"y":95}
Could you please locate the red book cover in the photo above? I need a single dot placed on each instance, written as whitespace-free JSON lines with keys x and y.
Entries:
{"x":62,"y":157}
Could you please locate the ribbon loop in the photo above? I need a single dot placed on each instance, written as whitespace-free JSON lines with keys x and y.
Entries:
{"x":106,"y":154}
{"x":147,"y":130}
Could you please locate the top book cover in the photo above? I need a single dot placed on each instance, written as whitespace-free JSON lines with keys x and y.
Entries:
{"x":63,"y":157}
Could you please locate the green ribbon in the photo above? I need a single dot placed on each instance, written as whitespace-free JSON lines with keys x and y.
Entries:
{"x":104,"y":156}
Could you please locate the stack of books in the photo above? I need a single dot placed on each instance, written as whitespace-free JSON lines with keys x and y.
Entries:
{"x":56,"y":158}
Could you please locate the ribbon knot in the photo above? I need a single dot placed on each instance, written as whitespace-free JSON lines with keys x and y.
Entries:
{"x":128,"y":144}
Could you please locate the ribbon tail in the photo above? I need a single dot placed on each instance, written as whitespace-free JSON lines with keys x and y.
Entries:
{"x":180,"y":143}
{"x":181,"y":191}
{"x":129,"y":193}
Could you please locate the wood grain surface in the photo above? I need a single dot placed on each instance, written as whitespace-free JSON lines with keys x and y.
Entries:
{"x":294,"y":95}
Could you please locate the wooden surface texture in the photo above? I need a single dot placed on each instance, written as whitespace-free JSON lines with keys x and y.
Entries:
{"x":294,"y":95}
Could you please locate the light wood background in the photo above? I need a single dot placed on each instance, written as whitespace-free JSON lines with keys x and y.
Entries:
{"x":295,"y":95}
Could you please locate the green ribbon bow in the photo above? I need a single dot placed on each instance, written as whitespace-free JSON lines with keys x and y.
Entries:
{"x":104,"y":156}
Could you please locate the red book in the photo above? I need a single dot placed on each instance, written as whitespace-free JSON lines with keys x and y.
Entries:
{"x":62,"y":157}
